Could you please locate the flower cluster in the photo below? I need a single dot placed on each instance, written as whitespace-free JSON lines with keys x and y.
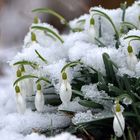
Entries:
{"x":97,"y":64}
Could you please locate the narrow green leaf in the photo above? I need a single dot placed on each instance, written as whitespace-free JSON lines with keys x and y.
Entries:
{"x":48,"y":30}
{"x":70,"y":64}
{"x":24,"y":77}
{"x":109,"y":68}
{"x":132,"y":36}
{"x":116,"y":90}
{"x":90,"y":104}
{"x":43,"y":79}
{"x":100,"y":42}
{"x":76,"y":92}
{"x":128,"y":24}
{"x":110,"y":116}
{"x":24,"y":62}
{"x":77,"y":30}
{"x":109,"y":19}
{"x":52,"y":12}
{"x":41,"y":57}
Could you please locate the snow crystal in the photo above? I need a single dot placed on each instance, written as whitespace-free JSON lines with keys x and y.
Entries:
{"x":82,"y":117}
{"x":73,"y":106}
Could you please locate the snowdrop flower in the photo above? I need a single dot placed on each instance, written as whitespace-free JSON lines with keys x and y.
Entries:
{"x":65,"y":91}
{"x":39,"y":99}
{"x":118,"y":122}
{"x":91,"y":30}
{"x":131,"y":59}
{"x":21,"y":104}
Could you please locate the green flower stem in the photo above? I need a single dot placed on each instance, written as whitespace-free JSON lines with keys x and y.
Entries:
{"x":52,"y":12}
{"x":48,"y":30}
{"x":113,"y":25}
{"x":70,"y":64}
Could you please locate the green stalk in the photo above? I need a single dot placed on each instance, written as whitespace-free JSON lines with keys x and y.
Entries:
{"x":130,"y":134}
{"x":70,"y":64}
{"x":48,"y":30}
{"x":100,"y":28}
{"x":52,"y":12}
{"x":113,"y":25}
{"x":123,"y":7}
{"x":41,"y":57}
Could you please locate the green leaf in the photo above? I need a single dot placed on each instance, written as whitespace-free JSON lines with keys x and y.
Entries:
{"x":110,"y":116}
{"x":109,"y":68}
{"x":24,"y":62}
{"x":109,"y":19}
{"x":77,"y":29}
{"x":43,"y":79}
{"x":52,"y":12}
{"x":116,"y":90}
{"x":128,"y":24}
{"x":48,"y":30}
{"x":90,"y":104}
{"x":70,"y":64}
{"x":126,"y":83}
{"x":76,"y":92}
{"x":132,"y":36}
{"x":41,"y":57}
{"x":24,"y":77}
{"x":68,"y":111}
{"x":100,"y":43}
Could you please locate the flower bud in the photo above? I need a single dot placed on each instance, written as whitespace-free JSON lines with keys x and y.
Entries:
{"x":92,"y":22}
{"x":38,"y":87}
{"x":36,"y":21}
{"x":17,"y":89}
{"x":22,"y":68}
{"x":129,"y":49}
{"x":18,"y":73}
{"x":64,"y":76}
{"x":118,"y":107}
{"x":33,"y":36}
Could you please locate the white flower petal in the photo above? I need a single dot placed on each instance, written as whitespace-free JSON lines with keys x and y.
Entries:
{"x":118,"y":124}
{"x":21,"y":104}
{"x":131,"y":61}
{"x":39,"y":101}
{"x":65,"y":92}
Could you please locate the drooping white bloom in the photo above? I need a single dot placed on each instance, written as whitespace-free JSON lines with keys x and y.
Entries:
{"x":39,"y":99}
{"x":20,"y":101}
{"x":131,"y":59}
{"x":91,"y":29}
{"x":118,"y":122}
{"x":65,"y":91}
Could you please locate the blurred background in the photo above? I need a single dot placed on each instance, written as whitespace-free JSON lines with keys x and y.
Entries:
{"x":16,"y":17}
